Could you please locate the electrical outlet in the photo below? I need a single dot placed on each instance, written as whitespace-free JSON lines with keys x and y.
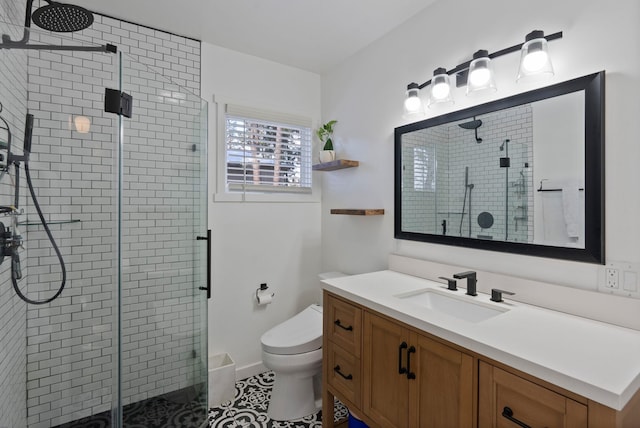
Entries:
{"x":621,"y":278}
{"x":611,"y":277}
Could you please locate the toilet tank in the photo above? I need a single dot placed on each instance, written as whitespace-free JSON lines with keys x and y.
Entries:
{"x":328,"y":275}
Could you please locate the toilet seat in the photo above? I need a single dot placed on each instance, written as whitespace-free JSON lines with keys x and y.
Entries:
{"x":299,"y":334}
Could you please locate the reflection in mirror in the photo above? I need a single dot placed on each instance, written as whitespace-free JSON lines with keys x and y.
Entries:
{"x":509,"y":175}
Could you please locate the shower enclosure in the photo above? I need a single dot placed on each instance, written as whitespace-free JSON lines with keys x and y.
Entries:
{"x":471,"y":178}
{"x":125,"y":201}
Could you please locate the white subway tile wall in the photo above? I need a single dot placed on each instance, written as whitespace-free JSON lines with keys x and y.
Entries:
{"x":70,"y":345}
{"x":505,"y":193}
{"x":13,"y":322}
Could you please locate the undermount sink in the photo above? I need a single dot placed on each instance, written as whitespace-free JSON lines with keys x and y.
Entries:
{"x":460,"y":307}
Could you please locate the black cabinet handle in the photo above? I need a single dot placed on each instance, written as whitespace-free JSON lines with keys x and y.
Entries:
{"x":339,"y":324}
{"x":508,"y":413}
{"x":401,"y":370}
{"x":208,"y":239}
{"x":410,"y":374}
{"x":337,"y":370}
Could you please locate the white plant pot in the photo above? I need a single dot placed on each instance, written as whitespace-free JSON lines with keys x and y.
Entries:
{"x":327,"y":156}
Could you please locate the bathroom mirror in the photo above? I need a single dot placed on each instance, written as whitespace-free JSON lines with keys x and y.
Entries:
{"x":524,"y":174}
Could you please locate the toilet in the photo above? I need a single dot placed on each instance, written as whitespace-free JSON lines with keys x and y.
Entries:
{"x":293,"y":350}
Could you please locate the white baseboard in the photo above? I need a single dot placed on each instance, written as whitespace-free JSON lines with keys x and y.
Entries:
{"x":250,"y":370}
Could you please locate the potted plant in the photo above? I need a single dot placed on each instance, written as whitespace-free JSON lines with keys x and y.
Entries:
{"x":324,"y":133}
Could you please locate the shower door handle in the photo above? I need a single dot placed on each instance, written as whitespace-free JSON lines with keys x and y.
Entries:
{"x":208,"y":239}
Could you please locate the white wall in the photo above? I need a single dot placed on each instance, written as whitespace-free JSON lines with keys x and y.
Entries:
{"x":366,"y":92}
{"x":254,"y":242}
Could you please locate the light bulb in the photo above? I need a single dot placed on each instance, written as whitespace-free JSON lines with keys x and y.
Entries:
{"x":440,"y":90}
{"x":412,"y":103}
{"x":535,"y":61}
{"x":479,"y":76}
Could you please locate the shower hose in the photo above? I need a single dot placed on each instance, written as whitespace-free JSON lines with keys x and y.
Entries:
{"x":15,"y":260}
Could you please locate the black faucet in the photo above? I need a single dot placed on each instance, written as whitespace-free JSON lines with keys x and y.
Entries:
{"x":471,"y":281}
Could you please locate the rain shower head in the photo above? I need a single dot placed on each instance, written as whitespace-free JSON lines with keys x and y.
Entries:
{"x":62,"y":17}
{"x":473,"y":124}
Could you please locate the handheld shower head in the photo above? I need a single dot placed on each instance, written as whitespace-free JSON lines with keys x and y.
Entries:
{"x":62,"y":17}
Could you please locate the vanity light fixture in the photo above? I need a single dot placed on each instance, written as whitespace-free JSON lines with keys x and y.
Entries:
{"x":413,"y":104}
{"x":481,"y":76}
{"x":440,"y":91}
{"x":534,"y":58}
{"x":477,"y":74}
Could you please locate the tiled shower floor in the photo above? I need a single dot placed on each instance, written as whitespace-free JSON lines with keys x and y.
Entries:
{"x":182,"y":409}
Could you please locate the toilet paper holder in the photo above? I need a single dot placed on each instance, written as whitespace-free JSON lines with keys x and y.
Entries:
{"x":262,"y":289}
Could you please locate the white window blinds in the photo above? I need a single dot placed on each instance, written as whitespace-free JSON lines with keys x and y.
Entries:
{"x":424,"y":169}
{"x":267,"y":151}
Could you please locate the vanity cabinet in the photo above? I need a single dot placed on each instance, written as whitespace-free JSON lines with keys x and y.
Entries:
{"x":507,"y":400}
{"x":411,"y":380}
{"x":391,"y":375}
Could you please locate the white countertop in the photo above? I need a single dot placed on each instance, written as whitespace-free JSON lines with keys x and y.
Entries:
{"x":596,"y":360}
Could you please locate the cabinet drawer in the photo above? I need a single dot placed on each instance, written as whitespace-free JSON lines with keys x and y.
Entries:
{"x":343,"y":324}
{"x":343,"y":372}
{"x":506,"y":399}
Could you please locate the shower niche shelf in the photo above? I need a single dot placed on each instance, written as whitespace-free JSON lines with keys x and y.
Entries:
{"x":366,"y":212}
{"x":37,"y":223}
{"x":336,"y":164}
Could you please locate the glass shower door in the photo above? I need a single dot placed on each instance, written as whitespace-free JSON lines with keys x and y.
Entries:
{"x":163,"y":258}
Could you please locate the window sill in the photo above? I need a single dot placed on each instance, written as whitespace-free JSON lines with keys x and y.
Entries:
{"x":267,"y":197}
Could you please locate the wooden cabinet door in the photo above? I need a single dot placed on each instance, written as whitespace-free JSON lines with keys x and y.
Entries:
{"x":385,"y":390}
{"x":506,"y":400}
{"x":441,"y":396}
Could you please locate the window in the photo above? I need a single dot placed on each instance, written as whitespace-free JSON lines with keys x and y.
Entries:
{"x":266,"y":151}
{"x":424,"y":169}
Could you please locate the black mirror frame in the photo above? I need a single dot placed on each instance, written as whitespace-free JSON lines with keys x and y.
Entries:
{"x":594,"y":251}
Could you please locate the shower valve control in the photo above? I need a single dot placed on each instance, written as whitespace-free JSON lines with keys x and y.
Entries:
{"x":9,"y":242}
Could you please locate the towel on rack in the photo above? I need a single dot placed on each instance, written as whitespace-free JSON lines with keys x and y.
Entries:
{"x":571,"y":207}
{"x":563,"y":211}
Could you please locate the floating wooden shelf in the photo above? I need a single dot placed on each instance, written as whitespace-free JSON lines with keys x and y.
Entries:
{"x":358,"y":211}
{"x":336,"y":164}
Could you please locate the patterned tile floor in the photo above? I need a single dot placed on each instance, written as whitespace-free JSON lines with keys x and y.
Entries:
{"x":185,"y":408}
{"x":249,"y":408}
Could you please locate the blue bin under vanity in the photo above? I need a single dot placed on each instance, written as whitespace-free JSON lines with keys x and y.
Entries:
{"x":355,"y":422}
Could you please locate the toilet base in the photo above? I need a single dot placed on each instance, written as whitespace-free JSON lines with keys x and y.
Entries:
{"x":292,"y":398}
{"x":297,"y":383}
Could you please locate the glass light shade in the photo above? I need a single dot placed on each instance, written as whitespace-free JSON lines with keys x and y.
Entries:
{"x":481,"y":76}
{"x":413,"y":104}
{"x":440,"y":89}
{"x":82,"y":124}
{"x":535,"y":62}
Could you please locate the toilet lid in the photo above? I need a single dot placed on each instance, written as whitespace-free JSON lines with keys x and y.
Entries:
{"x":299,"y":334}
